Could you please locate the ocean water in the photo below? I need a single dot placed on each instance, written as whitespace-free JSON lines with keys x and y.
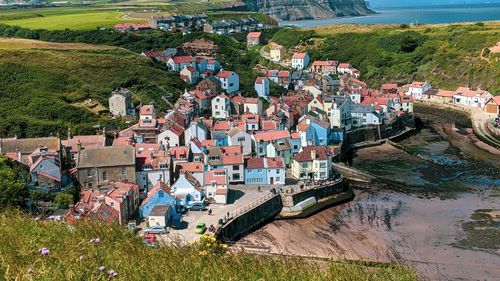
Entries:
{"x":420,"y":15}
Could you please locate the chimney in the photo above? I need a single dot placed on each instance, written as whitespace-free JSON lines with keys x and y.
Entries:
{"x":104,"y":136}
{"x":313,"y":154}
{"x":79,"y":146}
{"x":308,"y":121}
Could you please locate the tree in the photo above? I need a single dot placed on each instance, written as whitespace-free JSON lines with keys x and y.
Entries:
{"x":12,"y":189}
{"x":63,"y":200}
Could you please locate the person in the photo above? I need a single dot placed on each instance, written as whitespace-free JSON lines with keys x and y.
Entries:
{"x":258,"y":188}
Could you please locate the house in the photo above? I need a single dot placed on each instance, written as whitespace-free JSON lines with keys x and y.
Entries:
{"x":262,"y":87}
{"x":219,"y":132}
{"x":124,"y":198}
{"x":344,"y":67}
{"x":197,"y":169}
{"x":253,"y":38}
{"x":176,"y":64}
{"x":230,"y":81}
{"x":120,"y":103}
{"x":238,"y":137}
{"x":253,"y":105}
{"x":493,"y":106}
{"x":20,"y":149}
{"x":161,"y":215}
{"x":171,"y":135}
{"x":417,"y":89}
{"x":251,"y":121}
{"x":196,"y":130}
{"x":282,"y":149}
{"x":210,"y":83}
{"x":105,"y":164}
{"x":443,"y":96}
{"x":188,"y":188}
{"x":229,"y":158}
{"x":204,"y":99}
{"x":190,"y":75}
{"x":213,"y":65}
{"x":262,"y":139}
{"x":340,"y":113}
{"x":283,"y":78}
{"x":277,"y":52}
{"x":217,"y":185}
{"x":407,"y":104}
{"x":221,"y":107}
{"x":262,"y":171}
{"x":124,"y":27}
{"x":468,"y":97}
{"x":159,"y":195}
{"x":147,"y":112}
{"x":300,"y":60}
{"x":45,"y":169}
{"x":201,"y":64}
{"x":314,"y":131}
{"x":73,"y":143}
{"x":324,"y":67}
{"x":152,"y":167}
{"x":363,"y":115}
{"x":313,"y":162}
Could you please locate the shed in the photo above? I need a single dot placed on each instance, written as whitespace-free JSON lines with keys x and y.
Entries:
{"x":161,"y":215}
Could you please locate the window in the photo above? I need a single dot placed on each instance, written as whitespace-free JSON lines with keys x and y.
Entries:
{"x":161,"y":193}
{"x":216,"y":107}
{"x":260,"y":170}
{"x":277,"y":171}
{"x":236,"y":176}
{"x":112,"y":204}
{"x":236,"y":167}
{"x":124,"y":171}
{"x":249,"y":171}
{"x":89,"y":173}
{"x":104,"y":176}
{"x":304,"y":165}
{"x":277,"y":179}
{"x":322,"y":165}
{"x":322,"y":175}
{"x":89,"y":185}
{"x":241,"y":139}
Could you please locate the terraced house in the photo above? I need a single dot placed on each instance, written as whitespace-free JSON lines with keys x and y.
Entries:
{"x":313,"y":162}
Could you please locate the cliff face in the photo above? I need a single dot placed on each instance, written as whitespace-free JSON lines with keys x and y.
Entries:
{"x":309,"y":9}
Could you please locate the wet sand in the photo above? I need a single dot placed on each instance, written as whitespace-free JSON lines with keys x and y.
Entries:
{"x":390,"y":227}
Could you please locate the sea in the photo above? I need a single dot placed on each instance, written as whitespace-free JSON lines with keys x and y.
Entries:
{"x":414,"y":15}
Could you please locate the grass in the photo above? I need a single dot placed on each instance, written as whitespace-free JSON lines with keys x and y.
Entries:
{"x":73,"y":257}
{"x":483,"y":231}
{"x":60,"y":19}
{"x":40,"y":86}
{"x":17,"y":44}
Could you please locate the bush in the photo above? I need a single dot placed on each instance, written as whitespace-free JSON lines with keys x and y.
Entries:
{"x":63,"y":200}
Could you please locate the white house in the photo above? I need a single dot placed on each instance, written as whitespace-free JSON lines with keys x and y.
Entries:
{"x":340,"y":116}
{"x":172,"y":135}
{"x":176,"y":64}
{"x":196,"y":130}
{"x":343,"y":67}
{"x":230,"y":81}
{"x":363,"y":115}
{"x":253,"y":105}
{"x":217,"y":185}
{"x":300,"y":60}
{"x":236,"y":136}
{"x":262,"y":86}
{"x":417,"y":89}
{"x":188,"y":186}
{"x":221,"y":107}
{"x":468,"y":97}
{"x":190,"y":75}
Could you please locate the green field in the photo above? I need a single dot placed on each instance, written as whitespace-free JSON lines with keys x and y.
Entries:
{"x":60,"y":18}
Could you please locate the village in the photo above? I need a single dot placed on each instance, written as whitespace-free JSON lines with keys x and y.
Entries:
{"x":183,"y":171}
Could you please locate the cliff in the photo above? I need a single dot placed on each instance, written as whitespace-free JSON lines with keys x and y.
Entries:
{"x":309,"y":9}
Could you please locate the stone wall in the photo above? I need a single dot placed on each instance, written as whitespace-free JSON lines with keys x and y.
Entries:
{"x":253,"y":218}
{"x":290,"y":200}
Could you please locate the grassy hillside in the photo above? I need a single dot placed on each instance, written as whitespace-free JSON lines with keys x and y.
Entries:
{"x":72,"y":257}
{"x":447,"y":56}
{"x":42,"y":89}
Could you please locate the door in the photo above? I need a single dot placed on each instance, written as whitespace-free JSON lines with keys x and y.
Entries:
{"x":272,"y":180}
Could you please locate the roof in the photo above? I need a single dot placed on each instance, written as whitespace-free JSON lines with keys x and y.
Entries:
{"x":224,"y":74}
{"x":222,"y":126}
{"x":444,"y":93}
{"x":282,"y":146}
{"x":306,"y":154}
{"x":179,"y":152}
{"x":254,"y":34}
{"x":234,"y":131}
{"x":264,"y":163}
{"x":192,"y":167}
{"x":228,"y":155}
{"x":389,"y":86}
{"x":147,"y":109}
{"x":183,"y":59}
{"x":271,"y":135}
{"x":217,"y":175}
{"x":85,"y":141}
{"x":27,"y":146}
{"x":299,"y":55}
{"x":252,"y":100}
{"x":417,"y":84}
{"x":159,"y":210}
{"x":255,"y":163}
{"x":344,"y":65}
{"x":152,"y":192}
{"x":260,"y":80}
{"x":106,"y":156}
{"x":495,"y":100}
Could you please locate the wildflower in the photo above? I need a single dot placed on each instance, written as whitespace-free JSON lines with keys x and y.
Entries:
{"x":102,"y":268}
{"x":51,"y":217}
{"x":44,"y":251}
{"x":37,"y":219}
{"x":81,"y":257}
{"x":111,"y":272}
{"x":97,"y":240}
{"x":115,"y":274}
{"x":30,"y":271}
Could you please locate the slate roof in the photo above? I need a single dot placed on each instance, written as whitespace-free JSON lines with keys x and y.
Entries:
{"x":106,"y":156}
{"x":159,"y":210}
{"x":27,"y":146}
{"x":305,"y":154}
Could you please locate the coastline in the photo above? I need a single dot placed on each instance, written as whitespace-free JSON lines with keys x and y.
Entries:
{"x":426,"y":15}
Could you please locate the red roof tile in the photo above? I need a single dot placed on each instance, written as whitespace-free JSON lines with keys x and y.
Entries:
{"x":306,"y":156}
{"x":254,"y":34}
{"x":224,"y":74}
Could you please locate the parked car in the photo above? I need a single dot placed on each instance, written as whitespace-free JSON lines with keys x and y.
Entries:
{"x":157,"y":229}
{"x":150,"y":238}
{"x":197,"y":207}
{"x":200,"y":228}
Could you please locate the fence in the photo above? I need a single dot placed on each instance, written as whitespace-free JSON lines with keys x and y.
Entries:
{"x":250,"y":206}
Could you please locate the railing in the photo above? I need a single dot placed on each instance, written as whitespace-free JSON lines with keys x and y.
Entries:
{"x":311,"y":185}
